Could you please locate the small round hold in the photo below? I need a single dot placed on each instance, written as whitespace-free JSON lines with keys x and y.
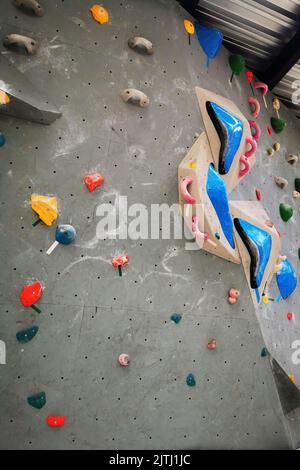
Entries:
{"x":141,"y":45}
{"x":291,"y":159}
{"x":124,"y":360}
{"x":212,"y":344}
{"x":270,"y":151}
{"x":234,"y":293}
{"x":276,"y":146}
{"x":137,"y":97}
{"x":232,"y":300}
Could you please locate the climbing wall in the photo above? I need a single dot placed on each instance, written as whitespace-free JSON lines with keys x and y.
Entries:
{"x":89,"y":314}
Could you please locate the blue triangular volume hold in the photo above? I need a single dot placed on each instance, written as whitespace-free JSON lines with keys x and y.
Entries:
{"x":259,"y":244}
{"x":210,"y":40}
{"x":286,"y":279}
{"x":230,"y":131}
{"x":217,"y":193}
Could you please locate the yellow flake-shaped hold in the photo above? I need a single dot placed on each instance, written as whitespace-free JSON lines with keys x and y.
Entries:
{"x":189,"y":27}
{"x":45,"y":207}
{"x":100,"y":14}
{"x":4,"y":98}
{"x":276,"y":104}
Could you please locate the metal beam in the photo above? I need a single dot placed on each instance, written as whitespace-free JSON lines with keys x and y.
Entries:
{"x":283,"y":63}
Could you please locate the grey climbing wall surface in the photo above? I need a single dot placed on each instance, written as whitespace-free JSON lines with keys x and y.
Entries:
{"x":89,"y":314}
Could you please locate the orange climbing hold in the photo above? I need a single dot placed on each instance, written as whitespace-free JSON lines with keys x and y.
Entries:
{"x":4,"y":98}
{"x":100,"y":14}
{"x":189,"y":26}
{"x":93,"y":181}
{"x":56,"y":421}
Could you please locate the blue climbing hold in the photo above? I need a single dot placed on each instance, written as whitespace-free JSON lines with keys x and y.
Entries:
{"x":2,"y":139}
{"x":230,"y":131}
{"x":264,"y":352}
{"x":210,"y":40}
{"x":286,"y":279}
{"x":190,"y":380}
{"x":217,"y":193}
{"x":65,"y":234}
{"x":27,"y":335}
{"x":176,"y":317}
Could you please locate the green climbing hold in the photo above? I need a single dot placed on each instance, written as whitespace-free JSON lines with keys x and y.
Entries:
{"x":278,"y":125}
{"x":286,"y":212}
{"x":237,"y":64}
{"x":190,"y":380}
{"x":37,"y":401}
{"x":297,"y":184}
{"x":27,"y":335}
{"x":264,"y":352}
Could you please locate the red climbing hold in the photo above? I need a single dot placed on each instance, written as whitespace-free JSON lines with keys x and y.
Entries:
{"x":93,"y":181}
{"x":270,"y":130}
{"x":120,"y":261}
{"x":56,"y":421}
{"x":212,"y":344}
{"x":31,"y":293}
{"x":290,"y":316}
{"x":258,"y":194}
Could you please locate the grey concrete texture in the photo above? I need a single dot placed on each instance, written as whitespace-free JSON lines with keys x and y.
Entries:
{"x":89,"y":314}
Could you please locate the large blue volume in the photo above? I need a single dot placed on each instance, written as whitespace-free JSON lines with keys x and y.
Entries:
{"x":210,"y":40}
{"x":286,"y":279}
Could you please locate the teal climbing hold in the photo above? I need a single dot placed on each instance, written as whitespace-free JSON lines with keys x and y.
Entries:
{"x":2,"y":139}
{"x":37,"y":401}
{"x":264,"y":352}
{"x":24,"y":336}
{"x":176,"y":317}
{"x":190,"y":380}
{"x":286,"y":212}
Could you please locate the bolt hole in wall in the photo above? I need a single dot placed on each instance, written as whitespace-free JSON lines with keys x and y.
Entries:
{"x":89,"y":315}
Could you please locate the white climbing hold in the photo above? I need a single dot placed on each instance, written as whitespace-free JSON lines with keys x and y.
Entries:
{"x":133,"y":96}
{"x":281,"y":182}
{"x":141,"y":45}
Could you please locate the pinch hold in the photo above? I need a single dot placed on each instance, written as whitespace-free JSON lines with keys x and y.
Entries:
{"x":291,"y":159}
{"x":141,"y":45}
{"x":282,"y":183}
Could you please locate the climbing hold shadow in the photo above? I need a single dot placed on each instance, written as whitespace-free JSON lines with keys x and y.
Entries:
{"x":141,"y":45}
{"x":24,"y":336}
{"x":37,"y":401}
{"x":30,"y":5}
{"x":21,"y":43}
{"x":137,"y":97}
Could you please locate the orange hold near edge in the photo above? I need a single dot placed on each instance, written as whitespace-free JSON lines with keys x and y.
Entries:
{"x":100,"y":14}
{"x":4,"y":98}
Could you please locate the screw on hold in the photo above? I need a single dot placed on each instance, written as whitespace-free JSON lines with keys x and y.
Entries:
{"x":258,"y":194}
{"x":37,"y":401}
{"x":124,"y":360}
{"x":212,"y":344}
{"x":119,"y":262}
{"x":286,"y":212}
{"x":264,"y":352}
{"x":190,"y":380}
{"x":176,"y":317}
{"x":233,"y":295}
{"x":56,"y":421}
{"x":24,"y":336}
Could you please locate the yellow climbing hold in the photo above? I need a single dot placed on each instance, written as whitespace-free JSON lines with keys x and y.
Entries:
{"x":276,"y":104}
{"x":100,"y":14}
{"x":265,"y":299}
{"x":45,"y":207}
{"x":189,"y":27}
{"x":292,"y":377}
{"x":4,"y":98}
{"x":193,"y":165}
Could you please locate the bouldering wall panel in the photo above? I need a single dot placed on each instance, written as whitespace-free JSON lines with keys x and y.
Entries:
{"x":89,"y":314}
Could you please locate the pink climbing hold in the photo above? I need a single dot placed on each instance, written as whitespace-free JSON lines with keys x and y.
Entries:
{"x":261,"y":86}
{"x":257,"y":130}
{"x":246,"y":169}
{"x":186,"y":196}
{"x":255,"y":106}
{"x":233,"y":296}
{"x":251,"y":141}
{"x":195,"y":229}
{"x":124,"y":360}
{"x":212,"y":344}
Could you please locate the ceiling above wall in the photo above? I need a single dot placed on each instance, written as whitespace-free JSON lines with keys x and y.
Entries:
{"x":262,"y":32}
